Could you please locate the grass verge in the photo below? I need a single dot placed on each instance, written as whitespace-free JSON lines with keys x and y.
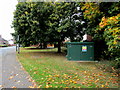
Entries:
{"x":52,"y":70}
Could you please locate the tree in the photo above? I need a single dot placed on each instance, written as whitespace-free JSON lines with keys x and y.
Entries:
{"x":30,"y":22}
{"x":60,"y":13}
{"x":95,"y":13}
{"x":63,"y":23}
{"x":110,"y":26}
{"x":47,"y":22}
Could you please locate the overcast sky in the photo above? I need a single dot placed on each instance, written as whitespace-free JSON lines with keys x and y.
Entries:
{"x":7,"y":8}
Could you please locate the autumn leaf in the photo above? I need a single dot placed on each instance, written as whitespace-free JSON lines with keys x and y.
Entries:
{"x":97,"y":80}
{"x":11,"y":77}
{"x":34,"y":85}
{"x":47,"y":86}
{"x":31,"y":87}
{"x":85,"y":71}
{"x":50,"y":85}
{"x":48,"y":82}
{"x":42,"y":78}
{"x":103,"y":86}
{"x":83,"y":83}
{"x":39,"y":86}
{"x":53,"y":80}
{"x":30,"y":80}
{"x":56,"y":86}
{"x":56,"y":82}
{"x":13,"y":87}
{"x":35,"y":72}
{"x":74,"y":82}
{"x":56,"y":75}
{"x":78,"y":79}
{"x":106,"y":83}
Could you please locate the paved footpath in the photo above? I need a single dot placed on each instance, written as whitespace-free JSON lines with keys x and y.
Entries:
{"x":12,"y":73}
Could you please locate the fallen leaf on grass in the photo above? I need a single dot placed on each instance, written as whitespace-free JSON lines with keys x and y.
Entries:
{"x":74,"y":82}
{"x":34,"y":85}
{"x":35,"y":72}
{"x":39,"y":86}
{"x":77,"y":69}
{"x":96,"y":80}
{"x":56,"y":86}
{"x":49,"y":75}
{"x":56,"y":75}
{"x":53,"y":80}
{"x":33,"y":80}
{"x":42,"y":78}
{"x":69,"y":77}
{"x":85,"y":71}
{"x":75,"y":77}
{"x":30,"y":80}
{"x":22,"y":69}
{"x":78,"y":79}
{"x":31,"y":87}
{"x":103,"y":86}
{"x":106,"y":83}
{"x":97,"y":86}
{"x":13,"y":87}
{"x":56,"y":82}
{"x":76,"y":73}
{"x":114,"y":82}
{"x":48,"y":82}
{"x":47,"y":86}
{"x":83,"y":83}
{"x":100,"y":74}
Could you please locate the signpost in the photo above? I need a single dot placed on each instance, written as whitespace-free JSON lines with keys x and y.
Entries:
{"x":18,"y":45}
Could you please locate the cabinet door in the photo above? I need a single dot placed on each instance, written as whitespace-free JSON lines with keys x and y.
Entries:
{"x":74,"y":52}
{"x":87,"y":52}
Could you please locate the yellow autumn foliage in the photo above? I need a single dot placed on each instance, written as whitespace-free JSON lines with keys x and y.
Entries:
{"x":110,"y":26}
{"x":109,"y":21}
{"x":91,"y":10}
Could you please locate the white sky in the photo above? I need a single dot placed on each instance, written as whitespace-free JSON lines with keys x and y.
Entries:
{"x":7,"y":7}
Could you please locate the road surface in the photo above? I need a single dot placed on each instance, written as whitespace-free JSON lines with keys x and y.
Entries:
{"x":12,"y":73}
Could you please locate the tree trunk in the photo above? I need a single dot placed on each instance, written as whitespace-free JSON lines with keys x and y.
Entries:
{"x":44,"y":45}
{"x":41,"y":45}
{"x":59,"y":46}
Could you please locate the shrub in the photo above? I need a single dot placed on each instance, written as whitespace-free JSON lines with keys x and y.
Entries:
{"x":111,"y":32}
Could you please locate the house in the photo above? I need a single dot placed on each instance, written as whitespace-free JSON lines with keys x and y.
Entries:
{"x":11,"y":42}
{"x":3,"y":41}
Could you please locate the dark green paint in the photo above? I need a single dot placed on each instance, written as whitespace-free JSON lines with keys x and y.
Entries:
{"x":75,"y":53}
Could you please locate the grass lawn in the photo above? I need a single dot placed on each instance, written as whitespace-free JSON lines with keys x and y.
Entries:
{"x":3,"y":45}
{"x":52,"y":70}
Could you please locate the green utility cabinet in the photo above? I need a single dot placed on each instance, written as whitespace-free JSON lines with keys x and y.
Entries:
{"x":80,"y":51}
